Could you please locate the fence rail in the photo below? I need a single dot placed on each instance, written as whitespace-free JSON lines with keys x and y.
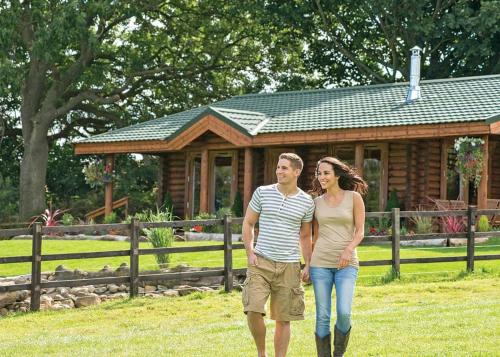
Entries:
{"x":135,"y":278}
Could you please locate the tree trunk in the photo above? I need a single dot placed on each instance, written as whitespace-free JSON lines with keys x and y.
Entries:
{"x":33,"y":174}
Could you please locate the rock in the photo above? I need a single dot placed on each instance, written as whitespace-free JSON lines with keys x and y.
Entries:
{"x":45,"y":302}
{"x":123,"y":269}
{"x":21,"y":295}
{"x":57,"y":297}
{"x":21,"y":280}
{"x":187,"y":290}
{"x":50,"y":290}
{"x":170,"y":292}
{"x":149,"y":288}
{"x":101,"y":290}
{"x":68,"y":302}
{"x":112,"y":288}
{"x":62,"y":290}
{"x":90,"y":288}
{"x":123,"y":287}
{"x":140,"y":290}
{"x":454,"y":242}
{"x":8,"y":298}
{"x":422,"y":243}
{"x":151,"y":295}
{"x":4,"y":311}
{"x":79,"y":291}
{"x":61,"y":268}
{"x":117,"y":296}
{"x":88,"y":300}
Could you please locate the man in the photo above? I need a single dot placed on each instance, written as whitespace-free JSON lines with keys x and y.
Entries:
{"x":284,"y":213}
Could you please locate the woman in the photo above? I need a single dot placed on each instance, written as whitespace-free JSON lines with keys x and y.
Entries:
{"x":338,"y":228}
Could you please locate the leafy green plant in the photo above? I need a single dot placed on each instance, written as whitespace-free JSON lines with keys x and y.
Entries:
{"x":423,"y":225}
{"x":49,"y":217}
{"x":453,"y":224}
{"x":393,"y":201}
{"x":209,"y":229}
{"x":168,"y":203}
{"x":68,"y":219}
{"x":483,"y":225}
{"x":111,"y":218}
{"x":160,"y":237}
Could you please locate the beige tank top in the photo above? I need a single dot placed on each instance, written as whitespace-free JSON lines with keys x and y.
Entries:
{"x":336,"y":231}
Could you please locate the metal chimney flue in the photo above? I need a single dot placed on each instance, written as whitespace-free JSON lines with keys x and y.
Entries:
{"x":414,"y":89}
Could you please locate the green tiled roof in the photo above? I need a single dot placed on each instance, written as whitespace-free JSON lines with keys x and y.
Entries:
{"x":443,"y":101}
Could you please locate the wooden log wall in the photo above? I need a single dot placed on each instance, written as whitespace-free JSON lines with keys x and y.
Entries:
{"x":415,"y":171}
{"x":258,"y":168}
{"x":494,"y":175}
{"x":311,"y":157}
{"x":241,"y":171}
{"x":398,"y":175}
{"x":174,"y":166}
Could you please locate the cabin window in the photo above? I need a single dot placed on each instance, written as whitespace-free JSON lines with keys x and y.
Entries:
{"x":452,"y":176}
{"x":222,"y":182}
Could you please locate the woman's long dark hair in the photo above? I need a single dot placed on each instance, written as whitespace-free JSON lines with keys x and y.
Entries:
{"x":348,"y":177}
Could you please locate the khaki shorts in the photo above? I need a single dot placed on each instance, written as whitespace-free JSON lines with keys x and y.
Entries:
{"x":282,"y":282}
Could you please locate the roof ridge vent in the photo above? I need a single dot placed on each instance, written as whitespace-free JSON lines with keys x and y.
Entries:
{"x":414,"y":89}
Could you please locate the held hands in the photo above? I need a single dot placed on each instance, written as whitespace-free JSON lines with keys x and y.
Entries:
{"x":345,"y":258}
{"x":305,"y":274}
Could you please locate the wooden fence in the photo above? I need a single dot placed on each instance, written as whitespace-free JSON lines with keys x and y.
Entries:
{"x":135,"y":278}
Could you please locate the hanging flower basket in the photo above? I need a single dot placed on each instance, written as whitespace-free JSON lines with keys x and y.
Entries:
{"x":470,"y":158}
{"x":98,"y":174}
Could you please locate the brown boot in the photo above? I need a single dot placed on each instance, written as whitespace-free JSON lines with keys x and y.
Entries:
{"x":340,"y":342}
{"x":324,"y":345}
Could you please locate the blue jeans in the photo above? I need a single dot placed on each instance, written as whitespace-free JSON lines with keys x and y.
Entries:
{"x":323,"y":280}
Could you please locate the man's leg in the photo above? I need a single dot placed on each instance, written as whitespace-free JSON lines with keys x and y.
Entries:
{"x":258,"y":330}
{"x":281,"y":338}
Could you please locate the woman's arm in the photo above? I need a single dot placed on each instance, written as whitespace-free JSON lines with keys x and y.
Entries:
{"x":359,"y":230}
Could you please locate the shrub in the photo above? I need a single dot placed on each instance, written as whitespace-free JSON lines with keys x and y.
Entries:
{"x":393,"y":201}
{"x":483,"y":225}
{"x":68,"y":219}
{"x":453,"y":224}
{"x":237,"y":207}
{"x":423,"y":225}
{"x":168,"y":203}
{"x":209,"y":229}
{"x":111,"y":218}
{"x":160,"y":237}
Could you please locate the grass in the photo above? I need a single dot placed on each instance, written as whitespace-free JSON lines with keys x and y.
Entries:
{"x":454,"y":318}
{"x":368,"y":275}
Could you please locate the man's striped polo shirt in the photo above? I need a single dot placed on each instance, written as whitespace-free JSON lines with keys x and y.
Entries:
{"x":279,"y":222}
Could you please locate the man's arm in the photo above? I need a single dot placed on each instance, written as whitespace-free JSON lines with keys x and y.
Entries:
{"x":251,"y":218}
{"x":306,"y":247}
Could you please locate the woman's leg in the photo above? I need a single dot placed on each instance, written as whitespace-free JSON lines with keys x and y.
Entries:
{"x":345,"y":281}
{"x":322,"y":279}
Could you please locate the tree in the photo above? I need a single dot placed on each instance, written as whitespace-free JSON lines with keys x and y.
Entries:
{"x":70,"y":68}
{"x":365,"y":42}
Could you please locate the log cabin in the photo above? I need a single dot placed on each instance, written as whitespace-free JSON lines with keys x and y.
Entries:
{"x":399,"y":137}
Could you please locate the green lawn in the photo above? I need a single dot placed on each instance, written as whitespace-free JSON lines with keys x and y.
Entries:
{"x":368,"y":275}
{"x":453,"y":318}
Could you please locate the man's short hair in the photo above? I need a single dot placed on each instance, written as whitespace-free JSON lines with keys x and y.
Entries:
{"x":294,"y":159}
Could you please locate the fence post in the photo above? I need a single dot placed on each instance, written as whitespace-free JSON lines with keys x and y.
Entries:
{"x":134,"y":257}
{"x":228,"y":254}
{"x":395,"y":241}
{"x":36,"y":266}
{"x":471,"y":229}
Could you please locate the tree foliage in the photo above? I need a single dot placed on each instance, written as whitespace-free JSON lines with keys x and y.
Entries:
{"x":365,"y":42}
